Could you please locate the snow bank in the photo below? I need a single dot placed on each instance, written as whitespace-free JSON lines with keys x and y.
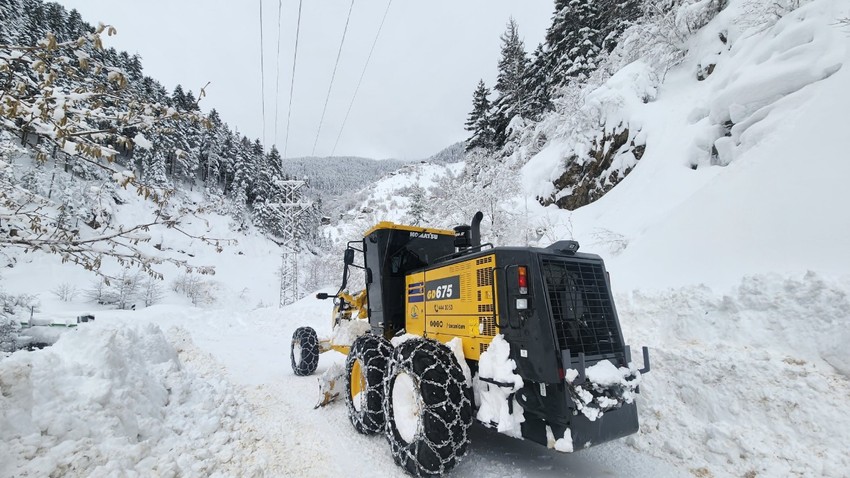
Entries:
{"x":742,"y":382}
{"x":110,"y":400}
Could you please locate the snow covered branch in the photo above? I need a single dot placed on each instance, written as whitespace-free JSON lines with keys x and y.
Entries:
{"x":58,"y":93}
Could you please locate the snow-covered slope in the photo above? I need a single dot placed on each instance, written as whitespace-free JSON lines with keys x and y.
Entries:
{"x":682,"y":218}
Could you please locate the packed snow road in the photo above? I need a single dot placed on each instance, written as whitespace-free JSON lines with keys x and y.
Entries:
{"x":298,"y":440}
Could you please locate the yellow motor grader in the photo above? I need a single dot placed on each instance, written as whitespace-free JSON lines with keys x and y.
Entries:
{"x":525,"y":340}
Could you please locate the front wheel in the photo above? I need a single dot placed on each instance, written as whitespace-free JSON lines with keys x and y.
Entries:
{"x":427,"y":408}
{"x":304,"y":353}
{"x":365,"y":368}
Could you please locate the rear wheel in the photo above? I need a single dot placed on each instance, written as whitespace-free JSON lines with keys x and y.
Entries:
{"x":365,"y":369}
{"x":427,"y":408}
{"x":304,"y":353}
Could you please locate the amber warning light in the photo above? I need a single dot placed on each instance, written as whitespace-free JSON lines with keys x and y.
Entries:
{"x":522,"y":279}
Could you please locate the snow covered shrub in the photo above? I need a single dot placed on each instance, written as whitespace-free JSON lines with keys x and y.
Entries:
{"x":661,"y":37}
{"x":126,"y":288}
{"x":760,"y":14}
{"x":151,"y":291}
{"x":65,"y":292}
{"x":200,"y":292}
{"x":121,"y":291}
{"x":8,"y":335}
{"x":12,"y":309}
{"x":101,"y":293}
{"x":614,"y":242}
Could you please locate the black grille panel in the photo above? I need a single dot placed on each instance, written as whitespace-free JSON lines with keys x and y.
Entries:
{"x":581,"y":307}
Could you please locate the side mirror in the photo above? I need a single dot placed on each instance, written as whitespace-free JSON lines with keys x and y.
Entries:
{"x":322,"y":295}
{"x":348,"y":257}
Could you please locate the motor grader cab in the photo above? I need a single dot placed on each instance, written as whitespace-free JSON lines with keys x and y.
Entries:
{"x":526,"y":340}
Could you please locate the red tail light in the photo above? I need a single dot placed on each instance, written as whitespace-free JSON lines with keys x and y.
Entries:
{"x":522,"y":279}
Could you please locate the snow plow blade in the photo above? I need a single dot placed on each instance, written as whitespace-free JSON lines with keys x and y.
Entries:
{"x":331,"y":384}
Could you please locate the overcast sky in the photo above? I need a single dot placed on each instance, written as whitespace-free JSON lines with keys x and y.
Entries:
{"x":414,"y":98}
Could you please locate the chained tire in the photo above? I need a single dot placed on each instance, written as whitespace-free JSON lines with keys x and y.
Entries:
{"x":427,"y":408}
{"x":365,"y":369}
{"x":304,"y":353}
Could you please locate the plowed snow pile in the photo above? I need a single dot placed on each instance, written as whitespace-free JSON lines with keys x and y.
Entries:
{"x":118,"y":400}
{"x":740,"y":383}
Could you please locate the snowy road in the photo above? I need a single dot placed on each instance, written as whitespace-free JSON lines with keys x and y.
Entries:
{"x":300,"y":441}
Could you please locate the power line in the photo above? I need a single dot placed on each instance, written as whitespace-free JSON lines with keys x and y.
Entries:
{"x":262,"y":75}
{"x":333,"y":75}
{"x":277,"y":79}
{"x":292,"y":81}
{"x":363,"y":73}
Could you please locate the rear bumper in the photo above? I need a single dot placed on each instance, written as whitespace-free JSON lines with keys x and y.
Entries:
{"x":584,"y":433}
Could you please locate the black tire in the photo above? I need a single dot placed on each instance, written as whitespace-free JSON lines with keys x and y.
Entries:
{"x":367,"y":358}
{"x":304,"y":352}
{"x":443,"y":413}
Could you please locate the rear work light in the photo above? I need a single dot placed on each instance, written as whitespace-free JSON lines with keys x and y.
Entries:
{"x":522,"y":279}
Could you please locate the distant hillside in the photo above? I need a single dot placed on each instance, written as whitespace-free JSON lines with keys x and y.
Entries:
{"x":451,"y":154}
{"x":332,"y":179}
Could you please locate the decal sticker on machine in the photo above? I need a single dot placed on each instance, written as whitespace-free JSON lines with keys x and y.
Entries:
{"x":415,"y":292}
{"x":443,"y":289}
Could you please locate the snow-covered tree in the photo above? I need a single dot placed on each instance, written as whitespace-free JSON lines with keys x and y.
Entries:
{"x":478,"y":122}
{"x":512,"y":97}
{"x":582,"y":31}
{"x":537,"y":84}
{"x":418,"y":205}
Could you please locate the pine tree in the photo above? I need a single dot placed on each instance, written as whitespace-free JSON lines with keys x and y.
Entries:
{"x":151,"y":161}
{"x":55,"y":14}
{"x":615,"y":16}
{"x":478,"y":121}
{"x":178,"y":98}
{"x":36,"y":23}
{"x":582,"y":31}
{"x":574,"y":40}
{"x":513,"y":99}
{"x":537,"y":85}
{"x":74,"y":25}
{"x":418,"y":206}
{"x":213,"y":157}
{"x":268,"y":212}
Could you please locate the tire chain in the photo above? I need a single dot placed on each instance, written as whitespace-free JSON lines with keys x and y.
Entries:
{"x":309,"y":342}
{"x":373,"y":352}
{"x":442,"y":439}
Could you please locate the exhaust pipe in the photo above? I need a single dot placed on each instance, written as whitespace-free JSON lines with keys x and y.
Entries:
{"x":476,"y":229}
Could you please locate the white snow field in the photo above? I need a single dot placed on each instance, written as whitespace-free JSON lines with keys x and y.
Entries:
{"x":735,"y":274}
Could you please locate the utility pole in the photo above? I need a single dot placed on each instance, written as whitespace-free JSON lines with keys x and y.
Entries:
{"x":292,"y":207}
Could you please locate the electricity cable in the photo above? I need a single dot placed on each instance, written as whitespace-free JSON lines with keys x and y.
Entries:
{"x":262,"y":75}
{"x":277,"y":79}
{"x":362,"y":74}
{"x":333,"y":75}
{"x":292,"y":81}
